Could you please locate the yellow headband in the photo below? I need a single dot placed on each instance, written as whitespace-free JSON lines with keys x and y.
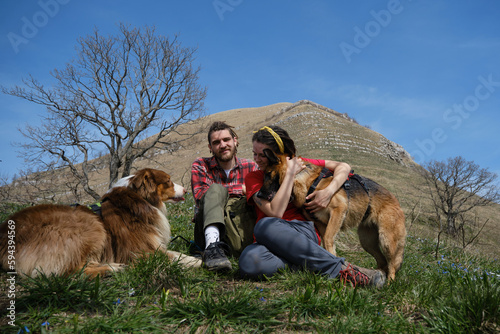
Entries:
{"x":276,"y":137}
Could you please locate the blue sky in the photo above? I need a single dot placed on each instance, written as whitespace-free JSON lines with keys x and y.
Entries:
{"x":425,"y":74}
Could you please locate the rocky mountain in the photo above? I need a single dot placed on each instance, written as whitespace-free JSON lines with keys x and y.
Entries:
{"x":319,"y":132}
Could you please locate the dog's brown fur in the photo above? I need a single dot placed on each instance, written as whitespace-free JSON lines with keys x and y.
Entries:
{"x":375,"y":211}
{"x":59,"y":239}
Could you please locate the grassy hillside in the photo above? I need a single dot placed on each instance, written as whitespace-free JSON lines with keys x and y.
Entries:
{"x":439,"y":289}
{"x":319,"y":132}
{"x":456,"y":293}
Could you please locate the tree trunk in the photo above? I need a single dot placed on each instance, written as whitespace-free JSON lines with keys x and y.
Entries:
{"x":450,"y":225}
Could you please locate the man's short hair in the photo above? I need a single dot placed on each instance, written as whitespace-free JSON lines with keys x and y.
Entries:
{"x":219,"y":126}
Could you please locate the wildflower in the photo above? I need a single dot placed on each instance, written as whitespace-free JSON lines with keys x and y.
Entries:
{"x":24,"y":330}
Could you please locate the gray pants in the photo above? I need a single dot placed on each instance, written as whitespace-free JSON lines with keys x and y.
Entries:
{"x":283,"y":243}
{"x":234,"y":218}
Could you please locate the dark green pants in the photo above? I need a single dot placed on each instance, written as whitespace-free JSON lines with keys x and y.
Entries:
{"x":232,"y":215}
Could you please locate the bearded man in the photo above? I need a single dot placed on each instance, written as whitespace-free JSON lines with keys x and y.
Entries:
{"x":223,"y":220}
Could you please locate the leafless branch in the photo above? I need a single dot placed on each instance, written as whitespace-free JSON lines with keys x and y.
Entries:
{"x":123,"y":95}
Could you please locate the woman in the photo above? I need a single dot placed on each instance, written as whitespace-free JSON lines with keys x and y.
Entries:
{"x":283,"y":235}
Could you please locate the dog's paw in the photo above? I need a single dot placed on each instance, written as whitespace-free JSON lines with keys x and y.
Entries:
{"x":185,"y":260}
{"x":190,"y":261}
{"x":116,"y":267}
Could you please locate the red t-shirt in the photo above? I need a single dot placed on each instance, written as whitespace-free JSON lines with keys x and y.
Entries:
{"x":255,"y":180}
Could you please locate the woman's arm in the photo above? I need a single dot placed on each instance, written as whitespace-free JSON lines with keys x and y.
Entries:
{"x":320,"y":199}
{"x":277,"y":206}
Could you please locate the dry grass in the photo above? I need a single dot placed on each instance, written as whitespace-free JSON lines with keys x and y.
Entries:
{"x":319,"y":133}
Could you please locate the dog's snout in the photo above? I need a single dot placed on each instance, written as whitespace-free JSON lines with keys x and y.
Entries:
{"x":179,"y":190}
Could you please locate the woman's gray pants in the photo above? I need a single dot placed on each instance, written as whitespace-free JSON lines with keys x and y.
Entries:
{"x":283,"y":243}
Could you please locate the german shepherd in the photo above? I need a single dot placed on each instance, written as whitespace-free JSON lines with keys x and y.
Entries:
{"x":359,"y":202}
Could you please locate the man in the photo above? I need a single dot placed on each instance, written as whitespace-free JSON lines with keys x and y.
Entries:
{"x":223,"y":220}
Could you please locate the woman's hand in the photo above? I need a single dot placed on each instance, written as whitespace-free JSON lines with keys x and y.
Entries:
{"x":318,"y":200}
{"x":294,"y":166}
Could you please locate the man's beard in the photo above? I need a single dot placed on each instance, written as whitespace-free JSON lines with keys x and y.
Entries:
{"x":227,"y":157}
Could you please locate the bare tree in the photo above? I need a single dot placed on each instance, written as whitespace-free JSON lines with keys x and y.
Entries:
{"x":117,"y":91}
{"x":456,"y":187}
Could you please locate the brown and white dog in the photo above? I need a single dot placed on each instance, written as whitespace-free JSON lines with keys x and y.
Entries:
{"x":60,"y":239}
{"x":360,"y":203}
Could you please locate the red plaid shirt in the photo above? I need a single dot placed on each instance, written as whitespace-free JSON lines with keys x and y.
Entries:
{"x":206,"y":171}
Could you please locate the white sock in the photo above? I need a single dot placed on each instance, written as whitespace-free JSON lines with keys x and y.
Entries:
{"x":211,"y":235}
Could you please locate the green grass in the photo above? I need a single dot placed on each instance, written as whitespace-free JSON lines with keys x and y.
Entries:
{"x":455,"y":293}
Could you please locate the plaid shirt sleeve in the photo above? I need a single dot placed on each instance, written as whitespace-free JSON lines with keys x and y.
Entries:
{"x":200,"y":180}
{"x":205,"y":172}
{"x":237,"y":180}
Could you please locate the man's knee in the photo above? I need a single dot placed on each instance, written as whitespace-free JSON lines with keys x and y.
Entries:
{"x":213,"y":202}
{"x":217,"y":191}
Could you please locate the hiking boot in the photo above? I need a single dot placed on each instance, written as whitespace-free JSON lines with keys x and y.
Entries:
{"x":214,"y":257}
{"x":362,"y":277}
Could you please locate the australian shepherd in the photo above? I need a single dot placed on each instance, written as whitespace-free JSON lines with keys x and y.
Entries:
{"x":61,"y":239}
{"x":360,"y":203}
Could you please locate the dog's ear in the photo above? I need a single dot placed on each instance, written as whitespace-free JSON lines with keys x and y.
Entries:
{"x":271,"y":157}
{"x":145,"y":185}
{"x":270,"y":186}
{"x":141,"y":180}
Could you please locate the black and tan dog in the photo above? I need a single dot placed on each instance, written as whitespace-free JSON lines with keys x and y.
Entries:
{"x":360,"y":202}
